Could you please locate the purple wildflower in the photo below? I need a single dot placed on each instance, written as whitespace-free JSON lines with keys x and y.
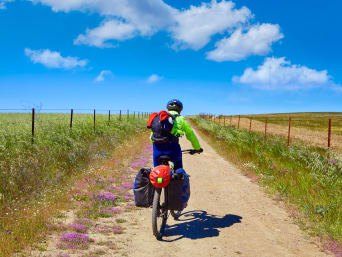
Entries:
{"x":115,"y":210}
{"x":103,"y":229}
{"x":62,"y":255}
{"x":117,"y":229}
{"x":74,"y":240}
{"x":74,"y":237}
{"x":333,"y":161}
{"x":107,"y":196}
{"x":127,"y":185}
{"x":78,"y":227}
{"x":112,"y":180}
{"x":84,"y":221}
{"x":333,"y":247}
{"x":113,"y":188}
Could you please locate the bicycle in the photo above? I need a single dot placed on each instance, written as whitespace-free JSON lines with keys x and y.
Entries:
{"x":160,"y":207}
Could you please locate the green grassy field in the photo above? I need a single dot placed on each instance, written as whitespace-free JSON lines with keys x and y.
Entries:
{"x":27,"y":170}
{"x":305,"y":176}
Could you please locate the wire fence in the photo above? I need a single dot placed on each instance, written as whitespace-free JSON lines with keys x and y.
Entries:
{"x":34,"y":119}
{"x":322,"y":130}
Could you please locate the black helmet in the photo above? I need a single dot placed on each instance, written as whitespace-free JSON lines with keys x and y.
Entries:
{"x":175,"y":105}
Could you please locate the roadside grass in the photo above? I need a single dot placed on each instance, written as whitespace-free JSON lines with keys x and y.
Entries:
{"x":301,"y":174}
{"x":35,"y":178}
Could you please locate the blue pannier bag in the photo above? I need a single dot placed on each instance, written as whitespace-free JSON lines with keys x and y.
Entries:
{"x":179,"y":191}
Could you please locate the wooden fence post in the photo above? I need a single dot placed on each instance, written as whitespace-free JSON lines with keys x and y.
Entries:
{"x":33,"y":119}
{"x":239,"y":122}
{"x":120,"y":116}
{"x":250,"y":125}
{"x":289,"y":133}
{"x":134,"y":116}
{"x":265,"y":130}
{"x":94,"y":120}
{"x":224,"y":120}
{"x":71,"y":117}
{"x":231,"y":117}
{"x":329,"y":134}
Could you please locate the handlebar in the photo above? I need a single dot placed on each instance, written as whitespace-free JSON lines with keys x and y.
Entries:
{"x":192,"y":151}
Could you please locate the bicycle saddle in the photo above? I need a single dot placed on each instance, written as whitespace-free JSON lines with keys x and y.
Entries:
{"x":164,"y":159}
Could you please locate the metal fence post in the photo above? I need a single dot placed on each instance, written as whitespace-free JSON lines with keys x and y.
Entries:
{"x":109,"y":115}
{"x":250,"y":125}
{"x":134,"y":116}
{"x":329,"y":134}
{"x":71,"y":117}
{"x":224,"y":120}
{"x":265,"y":130}
{"x":120,"y":116}
{"x":94,"y":120}
{"x":289,"y":133}
{"x":231,"y":118}
{"x":239,"y":122}
{"x":127,"y":114}
{"x":33,"y":119}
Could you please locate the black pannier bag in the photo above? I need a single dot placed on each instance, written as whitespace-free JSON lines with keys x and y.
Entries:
{"x":143,"y":189}
{"x":179,"y":191}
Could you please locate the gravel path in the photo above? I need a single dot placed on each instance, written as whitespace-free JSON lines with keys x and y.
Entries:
{"x":227,"y":215}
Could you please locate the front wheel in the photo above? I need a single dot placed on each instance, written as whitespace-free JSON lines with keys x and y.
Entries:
{"x":159,"y":213}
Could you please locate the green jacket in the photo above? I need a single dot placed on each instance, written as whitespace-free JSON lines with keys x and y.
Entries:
{"x":181,"y":127}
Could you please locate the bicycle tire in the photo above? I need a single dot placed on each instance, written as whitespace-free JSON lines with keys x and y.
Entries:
{"x":158,"y":212}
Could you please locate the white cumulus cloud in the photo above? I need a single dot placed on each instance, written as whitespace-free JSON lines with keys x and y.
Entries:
{"x":146,"y":16}
{"x":102,"y":75}
{"x":189,"y":28}
{"x":278,"y":73}
{"x":3,"y":4}
{"x":256,"y":41}
{"x":195,"y":26}
{"x":154,"y":78}
{"x":109,"y":30}
{"x":53,"y":59}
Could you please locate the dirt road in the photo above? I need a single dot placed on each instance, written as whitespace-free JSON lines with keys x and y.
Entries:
{"x":227,"y":216}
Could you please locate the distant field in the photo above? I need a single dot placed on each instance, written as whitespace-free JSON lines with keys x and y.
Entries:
{"x":312,"y":120}
{"x":311,"y":128}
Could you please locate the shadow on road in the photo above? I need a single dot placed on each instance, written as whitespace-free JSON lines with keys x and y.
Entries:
{"x":199,"y":224}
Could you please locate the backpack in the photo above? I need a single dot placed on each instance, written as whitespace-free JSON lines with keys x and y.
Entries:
{"x":143,"y":189}
{"x":161,"y":125}
{"x":179,"y":192}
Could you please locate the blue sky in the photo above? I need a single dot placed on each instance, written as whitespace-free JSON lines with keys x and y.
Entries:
{"x":239,"y":57}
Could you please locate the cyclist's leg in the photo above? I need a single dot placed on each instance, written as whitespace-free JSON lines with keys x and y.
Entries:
{"x":156,"y":153}
{"x":176,"y":154}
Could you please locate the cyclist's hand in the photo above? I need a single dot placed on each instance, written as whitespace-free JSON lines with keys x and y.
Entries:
{"x":196,"y":151}
{"x":200,"y":151}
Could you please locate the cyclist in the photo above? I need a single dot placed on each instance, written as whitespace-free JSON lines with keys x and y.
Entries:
{"x":172,"y":147}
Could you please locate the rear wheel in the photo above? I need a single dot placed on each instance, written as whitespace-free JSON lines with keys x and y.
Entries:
{"x":159,"y":213}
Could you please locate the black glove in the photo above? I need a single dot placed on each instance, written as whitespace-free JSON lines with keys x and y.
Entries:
{"x":196,"y":151}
